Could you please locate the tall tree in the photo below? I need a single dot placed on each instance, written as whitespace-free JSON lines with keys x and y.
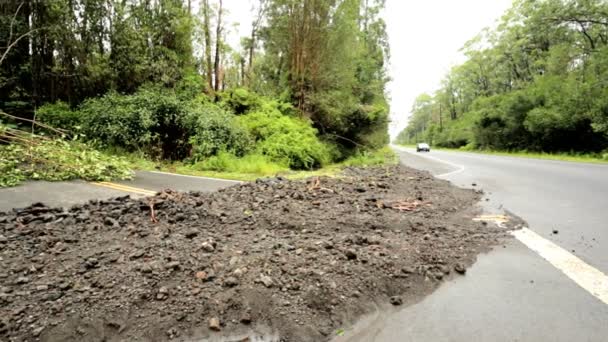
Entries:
{"x":218,"y":44}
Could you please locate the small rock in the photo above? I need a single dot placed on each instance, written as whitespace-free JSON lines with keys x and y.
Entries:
{"x":201,"y":275}
{"x":266,"y":280}
{"x":246,"y":318}
{"x":214,"y":324}
{"x":427,"y":236}
{"x":396,"y":300}
{"x":408,"y":270}
{"x":473,"y":184}
{"x":137,"y":254}
{"x":350,"y":254}
{"x":163,"y":293}
{"x":108,"y":221}
{"x":555,"y":231}
{"x":54,"y":295}
{"x":4,"y":325}
{"x":172,"y":265}
{"x":231,"y":282}
{"x":91,"y":263}
{"x":22,"y":280}
{"x":42,"y":288}
{"x":239,"y":272}
{"x":36,"y":332}
{"x":146,"y":268}
{"x":360,"y":189}
{"x":191,"y":233}
{"x":459,"y":268}
{"x":207,"y":247}
{"x":3,"y":239}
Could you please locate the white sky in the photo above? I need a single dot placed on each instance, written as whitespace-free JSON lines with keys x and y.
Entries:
{"x":425,"y":38}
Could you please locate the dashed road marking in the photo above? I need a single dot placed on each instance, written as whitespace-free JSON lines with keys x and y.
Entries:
{"x":585,"y":275}
{"x":125,"y":188}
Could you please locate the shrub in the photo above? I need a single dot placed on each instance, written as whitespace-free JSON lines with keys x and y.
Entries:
{"x":286,"y":139}
{"x":150,"y":120}
{"x":240,"y":100}
{"x":59,"y":115}
{"x":216,"y":130}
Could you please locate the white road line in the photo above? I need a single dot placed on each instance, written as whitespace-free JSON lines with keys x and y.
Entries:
{"x":586,"y":276}
{"x":459,"y":168}
{"x":210,"y":178}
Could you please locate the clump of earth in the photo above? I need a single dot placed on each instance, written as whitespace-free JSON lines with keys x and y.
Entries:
{"x":295,"y":260}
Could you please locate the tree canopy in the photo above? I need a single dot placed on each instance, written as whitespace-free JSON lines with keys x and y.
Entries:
{"x":325,"y":57}
{"x":538,"y":81}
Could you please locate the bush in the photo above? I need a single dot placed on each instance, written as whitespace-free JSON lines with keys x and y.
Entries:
{"x":59,"y":115}
{"x":216,"y":130}
{"x":286,"y":140}
{"x":240,"y":100}
{"x":150,"y":120}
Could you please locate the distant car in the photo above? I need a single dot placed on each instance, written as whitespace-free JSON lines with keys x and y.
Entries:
{"x":423,"y":147}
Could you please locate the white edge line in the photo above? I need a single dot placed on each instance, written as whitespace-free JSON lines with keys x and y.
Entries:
{"x":586,"y":276}
{"x":460,"y":168}
{"x":201,"y":177}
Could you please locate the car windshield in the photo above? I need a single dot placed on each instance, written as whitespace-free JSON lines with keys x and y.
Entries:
{"x":423,"y":145}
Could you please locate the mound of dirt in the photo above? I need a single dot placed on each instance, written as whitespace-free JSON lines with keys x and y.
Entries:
{"x":295,"y":259}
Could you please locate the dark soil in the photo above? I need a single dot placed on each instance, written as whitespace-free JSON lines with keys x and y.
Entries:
{"x":297,"y":258}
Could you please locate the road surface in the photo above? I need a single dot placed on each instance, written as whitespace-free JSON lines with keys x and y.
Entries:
{"x":69,"y":193}
{"x":548,"y":286}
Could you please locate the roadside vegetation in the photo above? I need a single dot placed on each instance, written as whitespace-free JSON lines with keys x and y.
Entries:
{"x":535,"y":83}
{"x":157,"y":84}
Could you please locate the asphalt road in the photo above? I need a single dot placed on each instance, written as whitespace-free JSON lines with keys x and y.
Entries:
{"x":74,"y":192}
{"x":512,"y":293}
{"x":571,"y":198}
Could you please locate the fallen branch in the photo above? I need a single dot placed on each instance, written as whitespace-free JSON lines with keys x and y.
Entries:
{"x":153,"y":218}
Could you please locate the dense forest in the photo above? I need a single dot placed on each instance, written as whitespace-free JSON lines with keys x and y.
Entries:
{"x":306,"y":87}
{"x":538,"y":81}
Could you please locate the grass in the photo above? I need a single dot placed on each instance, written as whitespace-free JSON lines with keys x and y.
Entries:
{"x":251,"y":167}
{"x":596,"y":158}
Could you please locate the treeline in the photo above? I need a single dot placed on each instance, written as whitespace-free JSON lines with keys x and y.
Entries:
{"x":157,"y":76}
{"x":538,"y":81}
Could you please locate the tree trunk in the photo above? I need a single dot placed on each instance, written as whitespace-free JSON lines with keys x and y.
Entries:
{"x":218,"y":41}
{"x":207,"y":29}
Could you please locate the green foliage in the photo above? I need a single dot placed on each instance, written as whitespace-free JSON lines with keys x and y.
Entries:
{"x":250,"y":164}
{"x":216,"y":130}
{"x":59,"y":115}
{"x":55,"y":160}
{"x":240,"y":100}
{"x":150,"y":120}
{"x":286,"y":140}
{"x":536,"y":82}
{"x":382,"y":156}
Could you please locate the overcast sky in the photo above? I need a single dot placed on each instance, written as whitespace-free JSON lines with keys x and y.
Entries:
{"x":425,"y":39}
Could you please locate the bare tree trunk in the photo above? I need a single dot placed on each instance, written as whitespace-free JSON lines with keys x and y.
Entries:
{"x":218,"y":41}
{"x":207,"y":28}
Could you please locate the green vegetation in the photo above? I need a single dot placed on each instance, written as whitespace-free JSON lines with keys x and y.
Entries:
{"x":537,"y":82}
{"x":157,"y":80}
{"x":252,"y":166}
{"x":54,"y":160}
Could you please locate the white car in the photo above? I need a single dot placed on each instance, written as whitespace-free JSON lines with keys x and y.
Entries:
{"x":423,"y":147}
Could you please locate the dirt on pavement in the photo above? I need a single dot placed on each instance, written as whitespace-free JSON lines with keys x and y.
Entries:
{"x":291,"y":260}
